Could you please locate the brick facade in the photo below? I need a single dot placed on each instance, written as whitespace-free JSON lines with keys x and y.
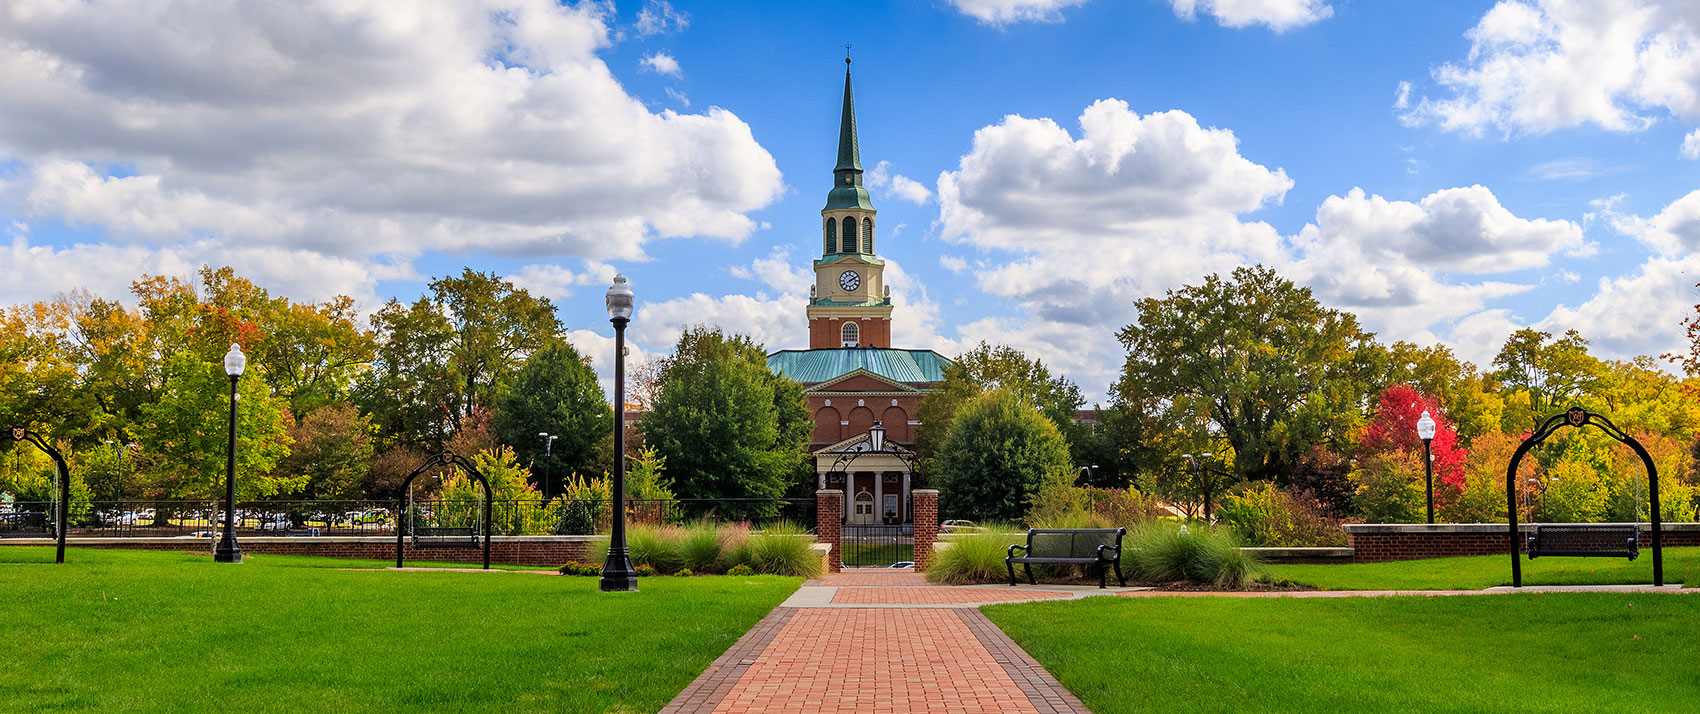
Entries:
{"x":1381,"y":542}
{"x":828,"y":332}
{"x":926,"y":506}
{"x":829,"y":524}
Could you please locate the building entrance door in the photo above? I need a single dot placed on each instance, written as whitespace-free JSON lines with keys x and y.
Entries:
{"x":862,"y":509}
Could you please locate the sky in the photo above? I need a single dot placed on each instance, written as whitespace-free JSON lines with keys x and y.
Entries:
{"x":1449,"y":172}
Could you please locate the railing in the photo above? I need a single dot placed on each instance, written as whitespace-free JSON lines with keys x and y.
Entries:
{"x":205,"y":519}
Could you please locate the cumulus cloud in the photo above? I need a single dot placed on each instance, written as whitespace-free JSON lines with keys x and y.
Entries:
{"x":1277,"y":15}
{"x":1635,"y":314}
{"x":1004,"y":12}
{"x":662,"y":63}
{"x":1671,"y":231}
{"x":358,"y":130}
{"x":556,"y":282}
{"x":881,"y":179}
{"x":1550,"y":64}
{"x":1691,"y":145}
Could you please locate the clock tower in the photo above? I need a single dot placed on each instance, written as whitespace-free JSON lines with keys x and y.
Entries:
{"x":849,"y":305}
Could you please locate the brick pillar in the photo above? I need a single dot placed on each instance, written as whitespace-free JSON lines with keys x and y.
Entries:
{"x":829,"y":524}
{"x":925,"y":502}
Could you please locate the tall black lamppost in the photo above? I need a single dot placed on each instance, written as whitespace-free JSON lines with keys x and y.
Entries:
{"x":617,"y":573}
{"x":227,"y":550}
{"x":1425,"y":431}
{"x":548,"y":448}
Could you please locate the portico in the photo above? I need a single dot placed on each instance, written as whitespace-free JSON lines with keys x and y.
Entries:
{"x":876,"y":483}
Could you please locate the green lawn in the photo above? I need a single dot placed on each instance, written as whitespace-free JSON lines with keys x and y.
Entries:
{"x":146,"y":631}
{"x":1573,"y":652}
{"x":878,"y":555}
{"x":1682,"y":565}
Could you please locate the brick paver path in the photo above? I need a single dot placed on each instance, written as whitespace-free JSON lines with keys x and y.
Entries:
{"x":919,"y":651}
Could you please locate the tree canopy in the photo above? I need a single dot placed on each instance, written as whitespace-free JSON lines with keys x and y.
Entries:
{"x":556,"y":392}
{"x":998,"y":453}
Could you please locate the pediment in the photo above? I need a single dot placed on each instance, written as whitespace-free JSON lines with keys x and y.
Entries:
{"x":861,"y":380}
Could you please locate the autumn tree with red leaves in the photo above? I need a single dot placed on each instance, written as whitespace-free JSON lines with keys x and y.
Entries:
{"x":1393,"y":429}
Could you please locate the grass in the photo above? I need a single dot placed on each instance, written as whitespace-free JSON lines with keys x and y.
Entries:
{"x":1528,"y":653}
{"x":115,"y":631}
{"x":1484,"y":571}
{"x":876,"y":554}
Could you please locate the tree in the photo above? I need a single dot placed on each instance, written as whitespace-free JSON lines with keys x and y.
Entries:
{"x":557,"y":392}
{"x":726,"y":425}
{"x":409,"y":385}
{"x":185,"y":433}
{"x":1549,"y":375}
{"x":997,"y":454}
{"x":332,"y":450}
{"x":1470,"y":398}
{"x":1393,"y":428}
{"x":1253,"y":363}
{"x":986,"y":368}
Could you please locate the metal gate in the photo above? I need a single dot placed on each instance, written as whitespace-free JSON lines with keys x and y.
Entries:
{"x":877,"y":546}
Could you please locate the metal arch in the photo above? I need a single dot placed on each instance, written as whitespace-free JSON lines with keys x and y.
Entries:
{"x":1579,"y":417}
{"x":447,"y":458}
{"x":60,"y":525}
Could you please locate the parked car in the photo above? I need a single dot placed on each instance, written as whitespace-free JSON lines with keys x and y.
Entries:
{"x":275,"y":522}
{"x":960,"y":526}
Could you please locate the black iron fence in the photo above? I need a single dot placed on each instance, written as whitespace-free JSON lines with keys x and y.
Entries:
{"x":205,"y":519}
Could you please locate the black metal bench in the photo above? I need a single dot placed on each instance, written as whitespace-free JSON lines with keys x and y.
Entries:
{"x":1070,"y":546}
{"x":1585,"y":540}
{"x":450,"y":537}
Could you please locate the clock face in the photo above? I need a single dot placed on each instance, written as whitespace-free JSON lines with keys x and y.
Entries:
{"x":849,"y":280}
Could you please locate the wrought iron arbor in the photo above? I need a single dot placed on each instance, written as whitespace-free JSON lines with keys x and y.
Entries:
{"x":1579,"y":417}
{"x":60,"y":518}
{"x":445,"y":459}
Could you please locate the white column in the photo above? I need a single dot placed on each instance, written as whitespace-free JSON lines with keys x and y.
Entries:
{"x":879,"y":497}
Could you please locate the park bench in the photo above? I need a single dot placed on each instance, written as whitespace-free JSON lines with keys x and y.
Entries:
{"x":1595,"y":539}
{"x":445,"y":537}
{"x":1097,"y":547}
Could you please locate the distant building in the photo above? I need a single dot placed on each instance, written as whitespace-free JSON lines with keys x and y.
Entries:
{"x":852,"y":377}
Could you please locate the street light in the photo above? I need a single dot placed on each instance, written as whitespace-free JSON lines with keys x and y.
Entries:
{"x":227,"y":550}
{"x":876,"y":436}
{"x":548,"y":448}
{"x":1197,"y":479}
{"x":617,"y":573}
{"x":1425,"y":431}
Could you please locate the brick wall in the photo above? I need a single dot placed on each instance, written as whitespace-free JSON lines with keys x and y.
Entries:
{"x":926,"y":505}
{"x":1381,"y":542}
{"x":506,"y":550}
{"x":829,"y":524}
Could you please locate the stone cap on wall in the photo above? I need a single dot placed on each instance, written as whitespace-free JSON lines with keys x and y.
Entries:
{"x":830,"y":492}
{"x":208,"y":542}
{"x":924,"y":492}
{"x":1454,"y":528}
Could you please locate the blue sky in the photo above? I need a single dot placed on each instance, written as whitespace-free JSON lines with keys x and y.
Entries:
{"x":1448,"y":171}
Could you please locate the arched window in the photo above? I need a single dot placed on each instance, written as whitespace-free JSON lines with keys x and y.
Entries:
{"x":849,"y":235}
{"x":868,"y":235}
{"x":852,"y":335}
{"x":831,"y":232}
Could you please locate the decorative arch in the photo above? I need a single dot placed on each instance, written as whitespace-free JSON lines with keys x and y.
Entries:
{"x":849,"y":235}
{"x":861,"y":419}
{"x":867,"y":235}
{"x":827,"y":425}
{"x":1579,"y":417}
{"x":851,"y":334}
{"x":896,"y":422}
{"x":445,"y":459}
{"x":60,"y":525}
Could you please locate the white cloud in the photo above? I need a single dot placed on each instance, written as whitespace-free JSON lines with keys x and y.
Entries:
{"x":658,"y":17}
{"x":1278,"y":15}
{"x":1551,"y":64}
{"x":1691,"y":145}
{"x":662,"y":63}
{"x":1672,"y":231}
{"x":881,"y":179}
{"x":954,"y":264}
{"x":1477,"y":338}
{"x":556,"y":282}
{"x":358,"y":130}
{"x":1004,"y":12}
{"x":1636,"y":314}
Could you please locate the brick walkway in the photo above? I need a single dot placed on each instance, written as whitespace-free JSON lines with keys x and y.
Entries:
{"x":920,"y":650}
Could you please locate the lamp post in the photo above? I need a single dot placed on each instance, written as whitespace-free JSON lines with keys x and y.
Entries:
{"x":1198,"y":480}
{"x":548,"y":448}
{"x":117,"y":473}
{"x":617,"y":573}
{"x":227,"y":550}
{"x":1425,"y":431}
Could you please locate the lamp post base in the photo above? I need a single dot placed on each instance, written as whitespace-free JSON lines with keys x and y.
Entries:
{"x":617,"y":573}
{"x":227,"y":551}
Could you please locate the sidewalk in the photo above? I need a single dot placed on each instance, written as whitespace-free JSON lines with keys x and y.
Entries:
{"x":882,"y":641}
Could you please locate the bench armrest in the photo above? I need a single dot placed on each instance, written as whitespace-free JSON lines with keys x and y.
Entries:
{"x":1116,"y":552}
{"x":1015,"y":547}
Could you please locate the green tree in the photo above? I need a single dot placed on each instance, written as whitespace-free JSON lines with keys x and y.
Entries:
{"x":997,"y":454}
{"x":727,"y":426}
{"x":556,"y":392}
{"x":409,"y":384}
{"x":986,"y":368}
{"x":1549,"y":374}
{"x":1253,"y":363}
{"x":333,"y":450}
{"x":185,"y":434}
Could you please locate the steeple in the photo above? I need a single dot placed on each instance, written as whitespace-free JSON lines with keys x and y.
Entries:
{"x":847,"y":191}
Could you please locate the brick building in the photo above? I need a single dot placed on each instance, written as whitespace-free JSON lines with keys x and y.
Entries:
{"x":852,"y":377}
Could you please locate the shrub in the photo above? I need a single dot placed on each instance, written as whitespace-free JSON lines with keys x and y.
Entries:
{"x":1269,"y":516}
{"x":683,"y":573}
{"x":585,"y":508}
{"x":644,"y":570}
{"x":575,"y":568}
{"x":975,"y":557}
{"x":700,"y":546}
{"x":655,"y":546}
{"x":1163,"y":552}
{"x":1390,"y":488}
{"x":740,"y":570}
{"x":785,"y":548}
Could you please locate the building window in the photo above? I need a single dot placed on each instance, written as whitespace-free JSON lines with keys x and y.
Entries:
{"x":851,"y":335}
{"x":849,"y":235}
{"x":868,"y":234}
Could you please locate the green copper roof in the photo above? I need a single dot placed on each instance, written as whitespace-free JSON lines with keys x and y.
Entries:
{"x":815,"y":366}
{"x":849,"y":158}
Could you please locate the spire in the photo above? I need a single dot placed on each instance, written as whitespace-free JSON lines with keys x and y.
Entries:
{"x":847,"y":191}
{"x":849,"y":158}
